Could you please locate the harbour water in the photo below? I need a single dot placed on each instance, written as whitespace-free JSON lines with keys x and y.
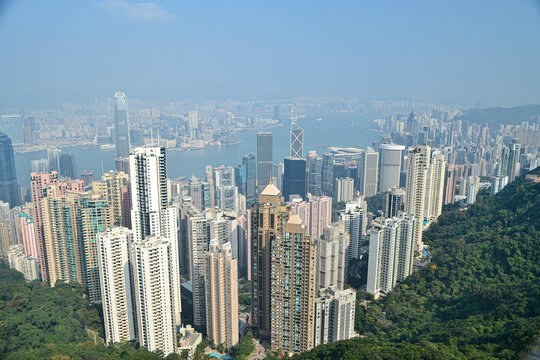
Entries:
{"x":342,"y":130}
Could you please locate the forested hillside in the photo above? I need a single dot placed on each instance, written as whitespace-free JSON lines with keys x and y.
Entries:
{"x":478,"y":299}
{"x":40,"y":322}
{"x":499,"y":115}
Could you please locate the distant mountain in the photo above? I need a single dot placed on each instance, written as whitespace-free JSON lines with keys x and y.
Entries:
{"x":479,"y":298}
{"x":500,"y":115}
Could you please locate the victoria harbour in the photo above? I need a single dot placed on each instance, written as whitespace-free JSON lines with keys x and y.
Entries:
{"x":339,"y":130}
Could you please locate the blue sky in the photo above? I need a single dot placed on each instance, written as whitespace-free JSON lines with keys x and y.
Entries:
{"x":440,"y":51}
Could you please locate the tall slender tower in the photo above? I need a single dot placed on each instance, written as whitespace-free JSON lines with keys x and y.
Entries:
{"x":121,"y":125}
{"x":268,"y":217}
{"x":297,"y":137}
{"x":415,"y":190}
{"x":116,"y":281}
{"x":292,"y":301}
{"x":151,"y":214}
{"x":435,"y":188}
{"x":250,"y":163}
{"x":9,"y":190}
{"x":153,"y":293}
{"x":221,"y":281}
{"x":264,"y":160}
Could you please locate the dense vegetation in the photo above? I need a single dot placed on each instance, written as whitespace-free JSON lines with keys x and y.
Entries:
{"x":478,"y":299}
{"x":244,"y":348}
{"x":40,"y":322}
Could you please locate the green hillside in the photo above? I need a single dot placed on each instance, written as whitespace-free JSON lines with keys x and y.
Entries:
{"x":498,"y":115}
{"x":478,"y":299}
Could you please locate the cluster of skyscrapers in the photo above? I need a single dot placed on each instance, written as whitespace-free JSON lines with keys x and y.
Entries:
{"x":160,"y":254}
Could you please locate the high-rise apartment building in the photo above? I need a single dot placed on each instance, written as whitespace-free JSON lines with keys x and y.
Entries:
{"x":119,"y":311}
{"x":418,"y":162}
{"x":38,"y":183}
{"x":27,"y":265}
{"x":368,"y":173}
{"x":315,"y":213}
{"x":393,"y":202}
{"x":354,"y":218}
{"x":334,"y":315}
{"x":435,"y":186}
{"x":221,"y":281}
{"x":9,"y":190}
{"x":332,"y":258}
{"x":268,"y":217}
{"x":121,"y":125}
{"x":71,"y":220}
{"x":202,"y":228}
{"x":151,"y":213}
{"x":498,"y":182}
{"x":344,"y":189}
{"x":264,"y":160}
{"x":390,"y":159}
{"x":293,"y":289}
{"x":513,"y":161}
{"x":154,"y":293}
{"x":390,"y":252}
{"x":29,"y":236}
{"x":110,"y":188}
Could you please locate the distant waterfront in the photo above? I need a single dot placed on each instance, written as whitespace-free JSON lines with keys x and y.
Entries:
{"x":343,"y":130}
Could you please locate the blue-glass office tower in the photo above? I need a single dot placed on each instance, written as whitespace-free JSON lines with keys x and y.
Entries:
{"x":328,"y":174}
{"x":9,"y":190}
{"x":264,"y":160}
{"x":12,"y":126}
{"x":315,"y":176}
{"x":294,"y":177}
{"x":68,"y":166}
{"x":121,"y":125}
{"x":249,"y":161}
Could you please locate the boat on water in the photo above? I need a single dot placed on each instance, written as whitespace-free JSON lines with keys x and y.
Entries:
{"x":318,"y":119}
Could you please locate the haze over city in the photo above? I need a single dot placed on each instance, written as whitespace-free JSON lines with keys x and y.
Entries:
{"x":267,"y":180}
{"x":483,"y":53}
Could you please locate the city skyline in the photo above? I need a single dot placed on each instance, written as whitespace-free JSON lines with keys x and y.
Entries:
{"x":267,"y":180}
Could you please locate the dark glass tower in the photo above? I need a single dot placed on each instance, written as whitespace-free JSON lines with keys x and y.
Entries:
{"x":264,"y":160}
{"x":68,"y":166}
{"x":294,"y":177}
{"x":250,"y":163}
{"x":9,"y":190}
{"x":315,"y":176}
{"x":328,"y":174}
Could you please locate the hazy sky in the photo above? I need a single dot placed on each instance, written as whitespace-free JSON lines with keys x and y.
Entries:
{"x":440,"y":51}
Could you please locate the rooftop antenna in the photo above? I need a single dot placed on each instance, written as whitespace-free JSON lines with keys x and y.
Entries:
{"x":102,"y":172}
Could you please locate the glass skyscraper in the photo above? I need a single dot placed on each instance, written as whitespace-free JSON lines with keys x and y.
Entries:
{"x":9,"y":190}
{"x":264,"y":160}
{"x":121,"y":125}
